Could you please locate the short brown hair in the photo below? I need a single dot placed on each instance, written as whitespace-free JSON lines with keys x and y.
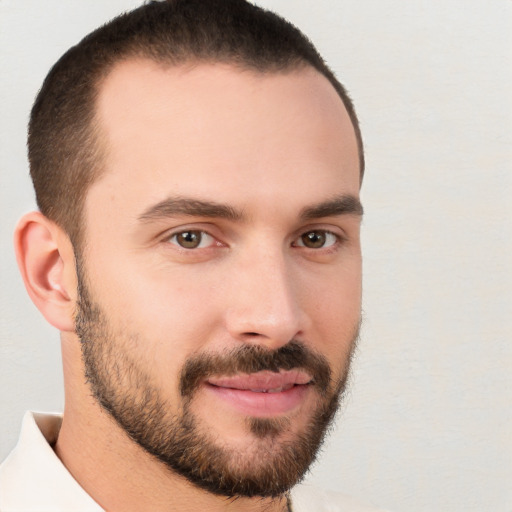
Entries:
{"x":64,"y":154}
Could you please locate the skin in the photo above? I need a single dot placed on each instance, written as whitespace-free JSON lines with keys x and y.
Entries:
{"x":267,"y":146}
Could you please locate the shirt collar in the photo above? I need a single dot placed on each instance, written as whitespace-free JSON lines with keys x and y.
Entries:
{"x":33,"y":477}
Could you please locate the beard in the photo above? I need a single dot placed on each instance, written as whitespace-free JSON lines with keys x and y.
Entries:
{"x":268,"y":467}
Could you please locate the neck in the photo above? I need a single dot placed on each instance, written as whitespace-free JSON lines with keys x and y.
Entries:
{"x":130,"y":479}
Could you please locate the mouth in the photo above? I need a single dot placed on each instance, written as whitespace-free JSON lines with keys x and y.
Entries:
{"x":262,"y":394}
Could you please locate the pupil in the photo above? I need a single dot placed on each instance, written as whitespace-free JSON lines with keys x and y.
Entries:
{"x":314,"y":239}
{"x":189,"y":239}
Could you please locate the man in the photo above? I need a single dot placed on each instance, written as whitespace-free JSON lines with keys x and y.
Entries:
{"x":197,"y":169}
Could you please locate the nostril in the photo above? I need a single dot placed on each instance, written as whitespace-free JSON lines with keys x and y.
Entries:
{"x":251,"y":334}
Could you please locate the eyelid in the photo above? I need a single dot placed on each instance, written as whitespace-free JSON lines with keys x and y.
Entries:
{"x":220,"y":234}
{"x":208,"y":230}
{"x":203,"y":234}
{"x":335,"y":229}
{"x":338,"y":238}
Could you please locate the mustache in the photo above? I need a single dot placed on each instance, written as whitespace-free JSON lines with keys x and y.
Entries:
{"x":252,"y":359}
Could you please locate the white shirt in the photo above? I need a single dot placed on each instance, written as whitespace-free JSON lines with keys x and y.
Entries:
{"x":33,"y":479}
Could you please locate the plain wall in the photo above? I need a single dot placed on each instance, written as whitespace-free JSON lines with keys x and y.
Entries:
{"x":427,"y":424}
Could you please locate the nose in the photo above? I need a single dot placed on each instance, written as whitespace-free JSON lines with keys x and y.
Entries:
{"x":264,"y":302}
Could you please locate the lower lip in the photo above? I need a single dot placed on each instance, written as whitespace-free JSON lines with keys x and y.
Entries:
{"x":261,"y":405}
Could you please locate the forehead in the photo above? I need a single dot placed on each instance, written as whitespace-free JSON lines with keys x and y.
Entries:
{"x":168,"y":129}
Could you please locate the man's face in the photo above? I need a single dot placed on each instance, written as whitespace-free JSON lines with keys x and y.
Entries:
{"x":221,"y":270}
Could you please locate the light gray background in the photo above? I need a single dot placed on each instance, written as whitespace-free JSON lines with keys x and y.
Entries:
{"x":427,"y":426}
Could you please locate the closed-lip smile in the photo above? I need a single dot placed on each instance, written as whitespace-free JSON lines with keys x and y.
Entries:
{"x":262,"y":394}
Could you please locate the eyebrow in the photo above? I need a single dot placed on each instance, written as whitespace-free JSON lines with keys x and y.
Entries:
{"x":341,"y":205}
{"x":183,"y":206}
{"x":179,"y":206}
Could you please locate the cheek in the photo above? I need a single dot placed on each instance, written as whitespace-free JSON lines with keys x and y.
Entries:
{"x":162,"y":301}
{"x":158,"y":319}
{"x":335,"y":310}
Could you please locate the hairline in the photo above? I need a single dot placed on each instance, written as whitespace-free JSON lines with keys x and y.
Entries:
{"x":94,"y":136}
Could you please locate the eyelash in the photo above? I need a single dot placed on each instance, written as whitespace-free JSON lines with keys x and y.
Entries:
{"x":336,"y":239}
{"x":202,"y":234}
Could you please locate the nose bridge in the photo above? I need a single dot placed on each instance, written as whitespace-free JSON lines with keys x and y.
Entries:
{"x":265,"y":306}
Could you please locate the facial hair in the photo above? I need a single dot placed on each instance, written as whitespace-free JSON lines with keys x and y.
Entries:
{"x":124,"y":387}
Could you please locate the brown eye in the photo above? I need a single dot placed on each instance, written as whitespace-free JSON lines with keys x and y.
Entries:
{"x":191,"y":239}
{"x":313,"y":239}
{"x":317,"y":239}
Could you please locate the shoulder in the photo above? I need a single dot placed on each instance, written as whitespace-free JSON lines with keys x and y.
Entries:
{"x":306,"y":498}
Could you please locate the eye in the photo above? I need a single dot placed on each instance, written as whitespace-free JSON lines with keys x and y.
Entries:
{"x":192,"y":239}
{"x":317,"y":239}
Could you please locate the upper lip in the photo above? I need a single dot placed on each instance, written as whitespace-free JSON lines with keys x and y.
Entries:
{"x":264,"y":381}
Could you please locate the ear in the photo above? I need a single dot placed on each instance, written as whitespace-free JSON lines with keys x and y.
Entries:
{"x":47,"y":263}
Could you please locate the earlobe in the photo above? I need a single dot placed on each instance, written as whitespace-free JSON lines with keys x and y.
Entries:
{"x":46,"y":261}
